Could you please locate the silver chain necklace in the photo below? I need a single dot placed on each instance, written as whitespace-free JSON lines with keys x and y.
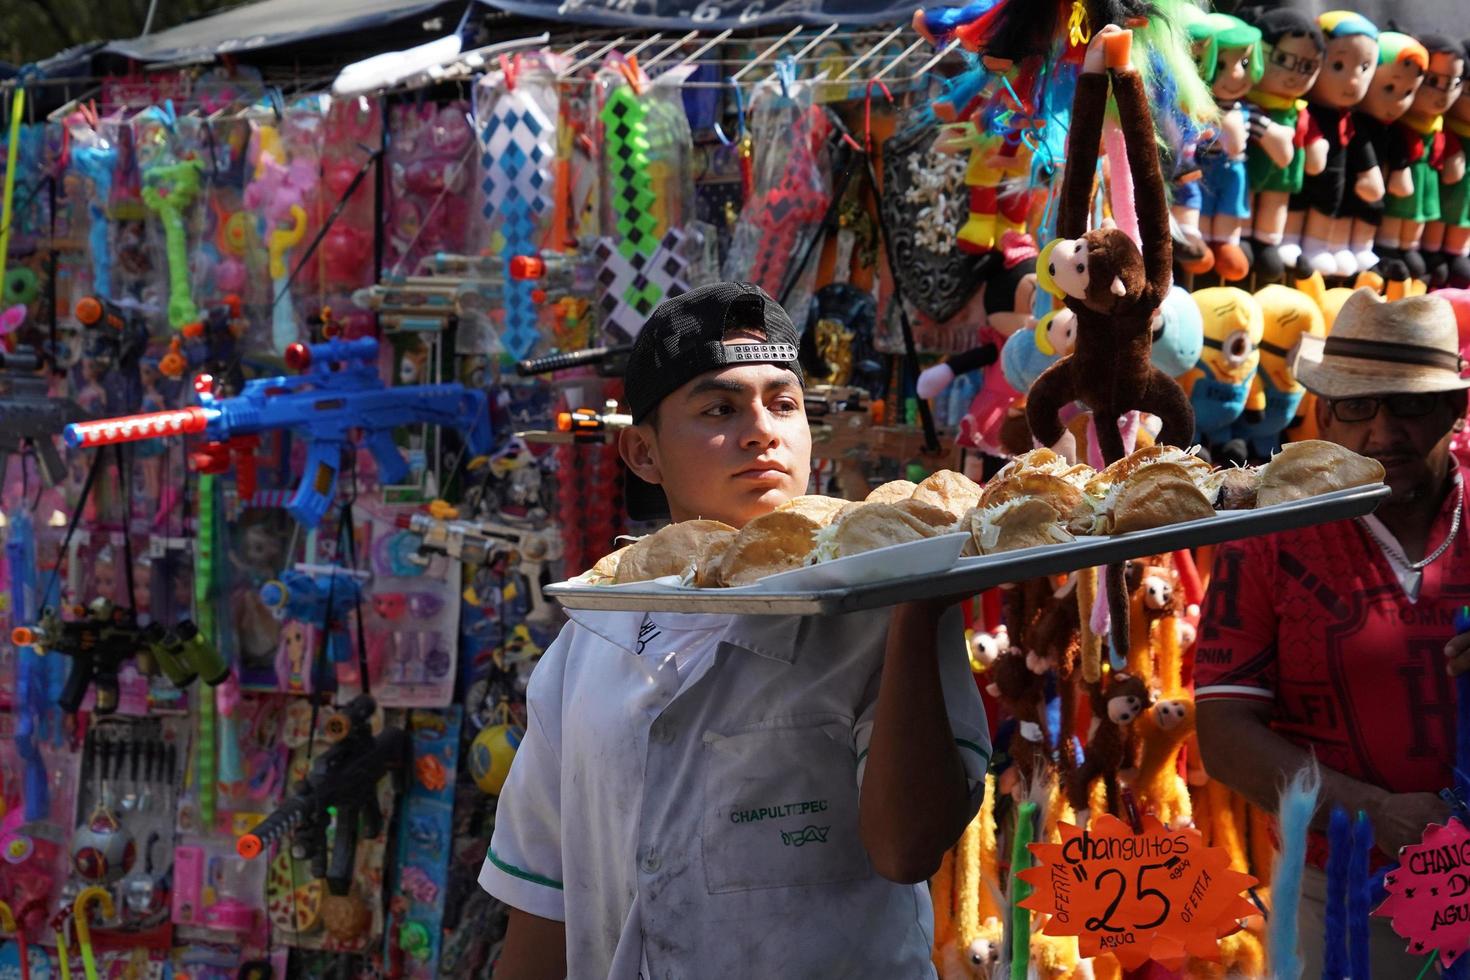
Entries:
{"x":1449,"y":539}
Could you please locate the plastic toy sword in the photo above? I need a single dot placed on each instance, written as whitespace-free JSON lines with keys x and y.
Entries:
{"x":169,"y":189}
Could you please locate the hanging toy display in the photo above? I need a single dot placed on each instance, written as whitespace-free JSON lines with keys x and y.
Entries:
{"x":279,"y":192}
{"x":516,"y":109}
{"x":1447,"y":241}
{"x":645,"y":260}
{"x":1287,"y":315}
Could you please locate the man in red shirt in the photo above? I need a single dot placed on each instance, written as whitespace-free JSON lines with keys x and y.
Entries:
{"x":1330,"y":641}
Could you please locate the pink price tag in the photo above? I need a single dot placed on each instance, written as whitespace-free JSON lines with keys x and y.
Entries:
{"x":1429,"y":894}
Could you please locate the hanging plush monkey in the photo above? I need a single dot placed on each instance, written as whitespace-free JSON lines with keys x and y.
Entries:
{"x":1116,"y":702}
{"x":1113,"y":290}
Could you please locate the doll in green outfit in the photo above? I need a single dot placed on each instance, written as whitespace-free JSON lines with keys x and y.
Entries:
{"x":1275,"y":157}
{"x":1422,"y":130}
{"x":1231,"y":63}
{"x":1446,"y":241}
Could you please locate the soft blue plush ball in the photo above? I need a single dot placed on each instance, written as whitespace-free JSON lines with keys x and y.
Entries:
{"x":1178,"y":345}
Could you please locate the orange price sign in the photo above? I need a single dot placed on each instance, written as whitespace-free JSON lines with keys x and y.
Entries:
{"x":1159,"y":894}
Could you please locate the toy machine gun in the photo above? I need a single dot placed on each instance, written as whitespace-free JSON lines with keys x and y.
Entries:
{"x":464,"y":286}
{"x":337,"y":392}
{"x":31,"y":416}
{"x":343,"y":781}
{"x":581,"y":424}
{"x":209,"y":344}
{"x":117,"y":334}
{"x":319,"y":595}
{"x":481,"y":542}
{"x":848,"y":428}
{"x":98,"y":643}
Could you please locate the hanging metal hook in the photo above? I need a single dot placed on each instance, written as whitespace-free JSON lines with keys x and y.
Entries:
{"x":739,"y":117}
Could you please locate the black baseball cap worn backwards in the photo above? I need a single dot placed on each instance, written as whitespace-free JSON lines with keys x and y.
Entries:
{"x":685,"y":337}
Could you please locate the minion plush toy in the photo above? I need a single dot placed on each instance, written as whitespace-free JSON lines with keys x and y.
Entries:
{"x":1220,"y":385}
{"x":1287,"y":314}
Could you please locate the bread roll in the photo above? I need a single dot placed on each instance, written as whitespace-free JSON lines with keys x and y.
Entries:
{"x":875,"y":526}
{"x":819,"y":508}
{"x":774,"y":542}
{"x":1312,"y":466}
{"x":1155,"y":496}
{"x":891,"y":492}
{"x":949,"y":490}
{"x":672,"y":550}
{"x":605,"y":572}
{"x":1021,"y":522}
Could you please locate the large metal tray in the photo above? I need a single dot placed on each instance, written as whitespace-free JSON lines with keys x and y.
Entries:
{"x":970,"y":575}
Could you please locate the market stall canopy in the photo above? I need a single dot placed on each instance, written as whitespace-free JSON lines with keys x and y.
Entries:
{"x":737,"y":14}
{"x":278,"y":23}
{"x":359,"y":28}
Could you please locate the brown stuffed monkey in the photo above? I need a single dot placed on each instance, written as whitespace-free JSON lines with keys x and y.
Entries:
{"x":1113,"y":289}
{"x":1102,"y":277}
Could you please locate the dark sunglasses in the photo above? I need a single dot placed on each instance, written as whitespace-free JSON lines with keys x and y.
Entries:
{"x":1404,"y":406}
{"x":1294,"y":62}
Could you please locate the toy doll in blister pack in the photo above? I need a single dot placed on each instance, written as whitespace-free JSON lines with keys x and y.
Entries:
{"x":1347,"y":70}
{"x":1230,"y":61}
{"x":431,"y":166}
{"x":294,"y":658}
{"x":1422,"y":128}
{"x":1276,"y":157}
{"x":352,"y":131}
{"x":257,"y":554}
{"x":93,"y":159}
{"x":282,"y":191}
{"x":1379,"y":151}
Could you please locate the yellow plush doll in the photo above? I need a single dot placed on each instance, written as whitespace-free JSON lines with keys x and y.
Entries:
{"x":1287,"y":315}
{"x":1219,"y":386}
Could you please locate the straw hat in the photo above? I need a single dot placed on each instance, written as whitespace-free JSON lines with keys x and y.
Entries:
{"x":1377,"y":348}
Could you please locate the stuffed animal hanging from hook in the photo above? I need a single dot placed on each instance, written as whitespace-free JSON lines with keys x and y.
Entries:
{"x":1102,"y":277}
{"x":1113,"y":289}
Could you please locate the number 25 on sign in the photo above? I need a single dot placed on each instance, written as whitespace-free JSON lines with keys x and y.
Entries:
{"x":1158,"y":894}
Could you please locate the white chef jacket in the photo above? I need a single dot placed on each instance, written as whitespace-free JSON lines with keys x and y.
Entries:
{"x":708,"y":827}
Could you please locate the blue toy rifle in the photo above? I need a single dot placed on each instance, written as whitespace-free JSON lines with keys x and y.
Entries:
{"x":337,"y":393}
{"x":30,"y":673}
